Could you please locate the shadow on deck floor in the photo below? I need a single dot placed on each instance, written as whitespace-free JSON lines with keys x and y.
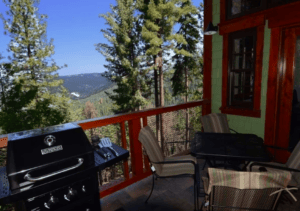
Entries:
{"x":176,"y":194}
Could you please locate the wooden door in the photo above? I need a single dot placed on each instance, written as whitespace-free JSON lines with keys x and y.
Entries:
{"x":285,"y":83}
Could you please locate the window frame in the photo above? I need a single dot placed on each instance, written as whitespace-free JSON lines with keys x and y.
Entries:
{"x":232,"y":36}
{"x":263,"y":5}
{"x":225,"y":108}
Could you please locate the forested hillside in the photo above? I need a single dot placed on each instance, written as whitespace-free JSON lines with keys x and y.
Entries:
{"x":85,"y":84}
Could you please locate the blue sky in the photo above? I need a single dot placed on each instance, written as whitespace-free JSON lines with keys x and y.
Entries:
{"x":75,"y":27}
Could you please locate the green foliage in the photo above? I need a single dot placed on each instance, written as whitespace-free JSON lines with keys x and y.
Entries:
{"x":188,"y":65}
{"x":125,"y":57}
{"x":29,"y":104}
{"x":160,"y":17}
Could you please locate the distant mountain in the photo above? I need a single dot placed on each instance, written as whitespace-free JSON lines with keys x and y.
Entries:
{"x":85,"y":84}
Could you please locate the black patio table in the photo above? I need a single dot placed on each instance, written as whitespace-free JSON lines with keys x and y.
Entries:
{"x":227,"y":146}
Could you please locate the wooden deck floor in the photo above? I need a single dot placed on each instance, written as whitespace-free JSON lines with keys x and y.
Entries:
{"x":170,"y":194}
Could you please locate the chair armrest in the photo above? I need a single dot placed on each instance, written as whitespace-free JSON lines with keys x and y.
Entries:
{"x":272,"y":166}
{"x":179,"y":161}
{"x":176,"y":161}
{"x":172,"y":142}
{"x":233,"y":130}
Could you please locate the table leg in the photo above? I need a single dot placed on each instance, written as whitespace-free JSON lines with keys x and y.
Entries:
{"x":245,"y":167}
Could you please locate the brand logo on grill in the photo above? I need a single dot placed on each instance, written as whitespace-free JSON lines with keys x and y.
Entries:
{"x":51,"y":149}
{"x":49,"y":140}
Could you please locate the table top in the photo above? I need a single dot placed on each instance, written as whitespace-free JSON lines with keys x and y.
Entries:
{"x":6,"y":195}
{"x":226,"y":145}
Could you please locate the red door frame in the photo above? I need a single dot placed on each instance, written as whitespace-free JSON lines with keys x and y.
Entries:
{"x":280,"y":89}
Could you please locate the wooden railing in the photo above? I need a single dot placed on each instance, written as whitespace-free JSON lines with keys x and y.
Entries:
{"x":134,"y":124}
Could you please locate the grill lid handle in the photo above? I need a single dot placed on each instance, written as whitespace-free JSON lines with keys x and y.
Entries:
{"x":29,"y":178}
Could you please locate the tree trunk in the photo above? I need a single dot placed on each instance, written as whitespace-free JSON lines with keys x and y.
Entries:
{"x":187,"y":111}
{"x":162,"y":101}
{"x":156,"y":101}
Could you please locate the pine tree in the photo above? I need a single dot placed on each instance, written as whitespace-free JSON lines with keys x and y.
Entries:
{"x":90,"y":112}
{"x":160,"y":17}
{"x":32,"y":66}
{"x":125,"y":56}
{"x":186,"y":66}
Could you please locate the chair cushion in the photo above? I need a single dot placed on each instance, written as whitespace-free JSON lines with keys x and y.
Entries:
{"x":205,"y":183}
{"x":247,"y":180}
{"x":215,"y":123}
{"x":295,"y":180}
{"x":177,"y":168}
{"x":294,"y":159}
{"x":149,"y":142}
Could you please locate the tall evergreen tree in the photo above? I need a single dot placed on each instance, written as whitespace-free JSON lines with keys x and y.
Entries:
{"x":125,"y":56}
{"x":32,"y":66}
{"x":160,"y":17}
{"x":187,"y":67}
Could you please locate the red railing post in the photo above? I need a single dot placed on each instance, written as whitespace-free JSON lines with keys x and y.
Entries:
{"x":135,"y":147}
{"x":3,"y":142}
{"x":124,"y":145}
{"x":146,"y":160}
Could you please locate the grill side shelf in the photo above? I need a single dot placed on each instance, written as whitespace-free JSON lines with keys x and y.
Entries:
{"x":101,"y":163}
{"x":4,"y":184}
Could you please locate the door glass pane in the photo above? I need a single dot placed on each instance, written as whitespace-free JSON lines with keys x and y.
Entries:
{"x":297,"y":64}
{"x":295,"y":117}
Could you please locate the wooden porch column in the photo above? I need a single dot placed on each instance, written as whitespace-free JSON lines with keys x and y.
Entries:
{"x":207,"y":68}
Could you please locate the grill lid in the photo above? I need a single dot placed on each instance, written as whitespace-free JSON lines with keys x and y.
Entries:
{"x":31,"y":149}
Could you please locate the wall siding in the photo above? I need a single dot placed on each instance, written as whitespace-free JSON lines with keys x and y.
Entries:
{"x":239,"y":123}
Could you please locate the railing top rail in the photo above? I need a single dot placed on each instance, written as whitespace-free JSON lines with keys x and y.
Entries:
{"x":113,"y":119}
{"x":108,"y":120}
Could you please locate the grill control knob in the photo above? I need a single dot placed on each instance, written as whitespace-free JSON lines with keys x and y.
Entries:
{"x":51,"y":202}
{"x":71,"y":194}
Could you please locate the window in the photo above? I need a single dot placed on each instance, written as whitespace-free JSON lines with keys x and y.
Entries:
{"x":241,"y":71}
{"x":274,"y":3}
{"x":237,"y":8}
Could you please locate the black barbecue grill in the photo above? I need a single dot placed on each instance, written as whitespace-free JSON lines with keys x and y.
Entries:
{"x":54,"y":168}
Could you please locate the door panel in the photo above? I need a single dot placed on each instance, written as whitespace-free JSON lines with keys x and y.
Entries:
{"x":285,"y":92}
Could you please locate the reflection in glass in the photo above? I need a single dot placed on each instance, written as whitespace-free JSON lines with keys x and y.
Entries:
{"x":238,"y":45}
{"x":237,"y":62}
{"x":297,"y":64}
{"x":240,"y":6}
{"x":236,"y":7}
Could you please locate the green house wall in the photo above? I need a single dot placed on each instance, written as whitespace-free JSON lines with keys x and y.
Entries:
{"x":241,"y":124}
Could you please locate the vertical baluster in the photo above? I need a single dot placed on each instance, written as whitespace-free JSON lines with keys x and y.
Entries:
{"x":124,"y":145}
{"x":146,"y":160}
{"x":135,"y":147}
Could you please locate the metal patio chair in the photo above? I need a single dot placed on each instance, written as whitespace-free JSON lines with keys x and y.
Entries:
{"x":166,"y":167}
{"x":235,"y":190}
{"x":215,"y":123}
{"x":292,"y":165}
